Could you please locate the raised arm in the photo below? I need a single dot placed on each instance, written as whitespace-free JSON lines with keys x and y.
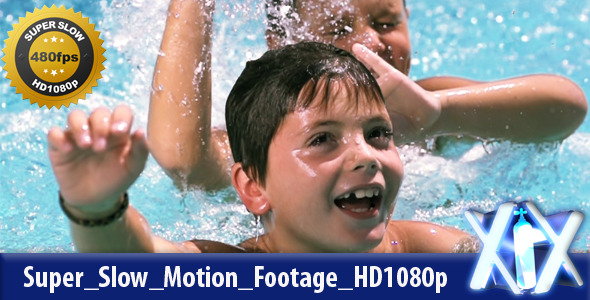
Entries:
{"x":179,"y":125}
{"x":532,"y":108}
{"x":95,"y":160}
{"x":445,"y":82}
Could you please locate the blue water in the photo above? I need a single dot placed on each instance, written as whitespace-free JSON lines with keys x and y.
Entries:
{"x":483,"y":40}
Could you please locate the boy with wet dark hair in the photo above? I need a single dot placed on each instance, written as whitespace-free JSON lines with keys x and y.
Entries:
{"x":273,"y":85}
{"x":326,"y":179}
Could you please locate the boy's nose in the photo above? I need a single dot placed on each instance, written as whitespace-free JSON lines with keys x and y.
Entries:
{"x":362,"y":157}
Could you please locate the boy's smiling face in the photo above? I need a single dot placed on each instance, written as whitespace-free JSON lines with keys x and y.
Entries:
{"x":333,"y":174}
{"x":380,"y":25}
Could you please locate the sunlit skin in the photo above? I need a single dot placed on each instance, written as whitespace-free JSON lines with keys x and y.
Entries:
{"x":380,"y":25}
{"x":326,"y":153}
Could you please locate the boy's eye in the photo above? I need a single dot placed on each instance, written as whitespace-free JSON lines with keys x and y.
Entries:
{"x":384,"y":26}
{"x":340,"y":27}
{"x":321,"y":139}
{"x":342,"y":31}
{"x":380,"y":137}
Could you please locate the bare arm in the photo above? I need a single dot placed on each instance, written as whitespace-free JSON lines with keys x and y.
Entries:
{"x":179,"y":125}
{"x":445,"y":82}
{"x":95,"y":160}
{"x":533,"y":108}
{"x":130,"y":234}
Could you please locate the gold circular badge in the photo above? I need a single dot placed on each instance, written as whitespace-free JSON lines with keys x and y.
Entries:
{"x":53,"y":57}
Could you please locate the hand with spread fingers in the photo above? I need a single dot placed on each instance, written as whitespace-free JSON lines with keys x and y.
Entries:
{"x":95,"y":159}
{"x":412,"y":109}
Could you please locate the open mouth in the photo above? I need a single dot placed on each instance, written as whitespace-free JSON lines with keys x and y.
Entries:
{"x":361,"y":203}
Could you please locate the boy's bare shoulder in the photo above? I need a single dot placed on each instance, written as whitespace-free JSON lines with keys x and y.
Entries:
{"x":206,"y":246}
{"x":425,"y":237}
{"x":255,"y":245}
{"x":252,"y":245}
{"x":396,"y":238}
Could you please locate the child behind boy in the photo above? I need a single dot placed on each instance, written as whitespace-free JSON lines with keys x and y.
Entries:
{"x":523,"y":109}
{"x":314,"y":158}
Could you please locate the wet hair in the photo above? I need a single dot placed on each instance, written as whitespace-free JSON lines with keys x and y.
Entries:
{"x":280,"y":13}
{"x":282,"y":81}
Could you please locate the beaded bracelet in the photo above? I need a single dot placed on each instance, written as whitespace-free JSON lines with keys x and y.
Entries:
{"x":122,"y":207}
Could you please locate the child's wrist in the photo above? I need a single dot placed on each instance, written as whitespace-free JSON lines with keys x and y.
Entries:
{"x":97,"y":215}
{"x":439,"y":125}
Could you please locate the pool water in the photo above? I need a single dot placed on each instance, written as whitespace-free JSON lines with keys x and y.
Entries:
{"x":483,"y":40}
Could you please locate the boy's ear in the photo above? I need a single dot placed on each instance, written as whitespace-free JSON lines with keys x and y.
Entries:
{"x":250,"y":192}
{"x":273,"y":40}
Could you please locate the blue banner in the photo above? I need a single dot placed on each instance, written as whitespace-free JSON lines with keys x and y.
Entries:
{"x":256,"y":276}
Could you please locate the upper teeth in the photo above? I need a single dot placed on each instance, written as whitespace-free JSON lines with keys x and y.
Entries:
{"x":362,"y":193}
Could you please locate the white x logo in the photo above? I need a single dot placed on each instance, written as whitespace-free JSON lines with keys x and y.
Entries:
{"x":492,"y":241}
{"x":558,"y":253}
